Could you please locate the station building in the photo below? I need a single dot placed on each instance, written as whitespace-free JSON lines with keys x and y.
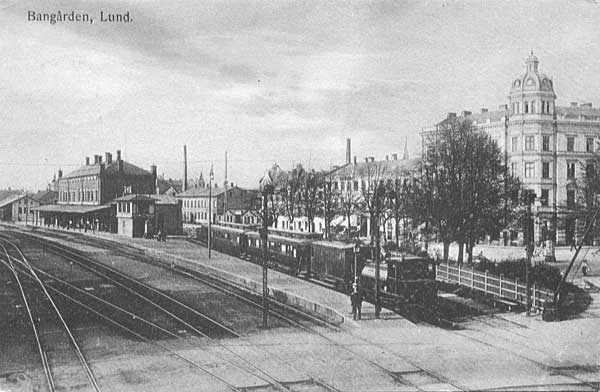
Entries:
{"x":17,"y":206}
{"x":547,"y":145}
{"x":141,"y":215}
{"x":85,"y":195}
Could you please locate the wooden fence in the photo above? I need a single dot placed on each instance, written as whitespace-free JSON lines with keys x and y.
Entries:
{"x":497,"y":286}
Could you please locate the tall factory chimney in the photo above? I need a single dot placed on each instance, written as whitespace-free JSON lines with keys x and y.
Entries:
{"x":348,"y":151}
{"x":226,"y":205}
{"x":185,"y":183}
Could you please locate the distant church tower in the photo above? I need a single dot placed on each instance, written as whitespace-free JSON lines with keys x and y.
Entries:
{"x":405,"y":155}
{"x":201,"y":183}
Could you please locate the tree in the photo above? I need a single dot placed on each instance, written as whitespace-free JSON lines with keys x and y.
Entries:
{"x":310,"y":183}
{"x":374,"y":199}
{"x":289,"y":188}
{"x":328,"y":200}
{"x":461,"y":190}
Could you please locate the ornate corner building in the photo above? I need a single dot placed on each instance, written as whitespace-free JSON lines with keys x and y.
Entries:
{"x":546,"y":145}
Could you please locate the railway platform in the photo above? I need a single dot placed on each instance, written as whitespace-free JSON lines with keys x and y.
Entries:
{"x":327,"y":303}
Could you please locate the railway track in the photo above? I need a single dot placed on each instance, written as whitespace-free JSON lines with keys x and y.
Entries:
{"x":325,"y":336}
{"x":42,"y":343}
{"x":249,"y":367}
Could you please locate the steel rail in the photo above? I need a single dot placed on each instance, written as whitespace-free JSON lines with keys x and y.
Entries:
{"x":88,"y":371}
{"x":197,"y":276}
{"x":43,"y":358}
{"x":131,"y":331}
{"x":74,"y":255}
{"x":308,"y":329}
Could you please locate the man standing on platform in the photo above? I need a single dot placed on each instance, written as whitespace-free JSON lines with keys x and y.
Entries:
{"x":356,"y":301}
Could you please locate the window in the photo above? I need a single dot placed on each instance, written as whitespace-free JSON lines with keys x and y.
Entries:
{"x":543,"y":106}
{"x":529,"y":169}
{"x":514,"y":167}
{"x":356,"y":185}
{"x":570,"y":197}
{"x":526,"y":109}
{"x":570,"y":169}
{"x":545,"y":143}
{"x":532,"y":107}
{"x":545,"y":197}
{"x":589,"y":144}
{"x":515,"y":144}
{"x":570,"y":143}
{"x":529,"y":143}
{"x":545,"y":169}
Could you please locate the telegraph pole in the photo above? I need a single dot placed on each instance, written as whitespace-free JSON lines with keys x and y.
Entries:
{"x":266,"y":188}
{"x":210,"y":180}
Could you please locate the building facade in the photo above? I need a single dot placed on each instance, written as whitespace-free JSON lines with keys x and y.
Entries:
{"x":195,"y":203}
{"x":546,"y":145}
{"x":147,"y":215}
{"x":84,"y":194}
{"x":351,"y":181}
{"x":17,"y":206}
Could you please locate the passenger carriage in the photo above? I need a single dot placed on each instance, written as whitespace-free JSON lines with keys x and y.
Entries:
{"x":228,"y":240}
{"x":290,"y":254}
{"x":333,"y":262}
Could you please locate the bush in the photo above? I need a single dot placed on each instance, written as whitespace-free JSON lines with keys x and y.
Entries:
{"x":542,"y":274}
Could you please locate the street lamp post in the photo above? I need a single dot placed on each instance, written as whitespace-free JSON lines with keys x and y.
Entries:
{"x":529,"y":230}
{"x":266,"y":188}
{"x":356,"y":252}
{"x":210,"y":210}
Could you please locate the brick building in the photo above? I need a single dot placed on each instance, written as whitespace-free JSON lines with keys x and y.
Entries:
{"x":84,"y":194}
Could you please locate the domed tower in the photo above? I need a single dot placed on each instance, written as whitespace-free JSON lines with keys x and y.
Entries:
{"x":532,"y":93}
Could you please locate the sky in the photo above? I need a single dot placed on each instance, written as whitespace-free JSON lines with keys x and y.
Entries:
{"x":269,"y":82}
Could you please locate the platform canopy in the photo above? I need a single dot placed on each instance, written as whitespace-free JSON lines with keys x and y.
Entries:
{"x":71,"y":209}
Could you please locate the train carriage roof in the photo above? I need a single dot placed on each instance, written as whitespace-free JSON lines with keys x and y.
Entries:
{"x":280,"y":239}
{"x":227,"y":229}
{"x":334,"y":244}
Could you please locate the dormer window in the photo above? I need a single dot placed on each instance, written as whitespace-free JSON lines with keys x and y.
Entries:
{"x":530,"y":82}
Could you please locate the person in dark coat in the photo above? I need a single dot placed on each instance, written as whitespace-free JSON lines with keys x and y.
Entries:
{"x":356,"y":301}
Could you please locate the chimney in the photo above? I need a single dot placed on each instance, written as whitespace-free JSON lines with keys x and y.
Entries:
{"x":348,"y":150}
{"x":387,"y":158}
{"x":503,"y":107}
{"x":484,"y":110}
{"x":355,"y":161}
{"x":99,"y":158}
{"x":87,"y":161}
{"x":395,"y":157}
{"x":154,"y":178}
{"x":372,"y":159}
{"x":466,"y":113}
{"x":95,"y":159}
{"x":451,"y":115}
{"x":366,"y":159}
{"x":108,"y":158}
{"x":59,"y":173}
{"x":119,"y":161}
{"x":185,"y":182}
